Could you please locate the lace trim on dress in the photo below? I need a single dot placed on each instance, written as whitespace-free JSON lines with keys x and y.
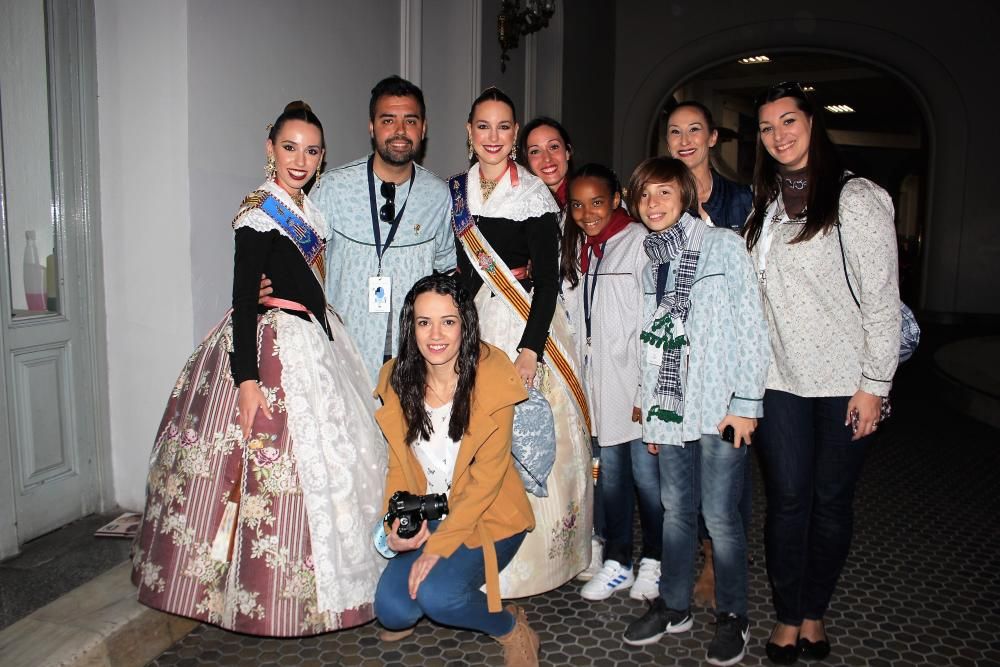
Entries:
{"x":340,"y":465}
{"x":530,"y":199}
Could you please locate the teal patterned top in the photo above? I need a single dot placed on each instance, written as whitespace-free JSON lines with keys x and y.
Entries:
{"x":728,"y":352}
{"x":422,"y":244}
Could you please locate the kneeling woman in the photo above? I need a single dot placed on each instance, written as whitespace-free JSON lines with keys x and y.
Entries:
{"x":448,"y":416}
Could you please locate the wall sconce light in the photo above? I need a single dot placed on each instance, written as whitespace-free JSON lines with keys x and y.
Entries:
{"x":516,"y":19}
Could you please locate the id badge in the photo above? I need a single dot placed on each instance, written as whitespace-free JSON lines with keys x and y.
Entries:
{"x":379,"y":294}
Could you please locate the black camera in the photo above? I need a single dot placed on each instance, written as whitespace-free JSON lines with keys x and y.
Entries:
{"x":412,"y":510}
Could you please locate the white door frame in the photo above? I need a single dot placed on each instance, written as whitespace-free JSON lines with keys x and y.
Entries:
{"x":72,"y":76}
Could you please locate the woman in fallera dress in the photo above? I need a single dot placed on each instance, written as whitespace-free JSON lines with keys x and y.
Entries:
{"x":507,"y":235}
{"x":267,"y":469}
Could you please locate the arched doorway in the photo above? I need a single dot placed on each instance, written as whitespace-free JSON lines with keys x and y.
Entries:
{"x":872,"y":115}
{"x":648,"y":70}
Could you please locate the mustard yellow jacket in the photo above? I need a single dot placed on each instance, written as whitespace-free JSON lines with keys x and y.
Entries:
{"x":487,"y":501}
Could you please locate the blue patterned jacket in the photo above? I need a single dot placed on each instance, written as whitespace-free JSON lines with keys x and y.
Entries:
{"x":728,"y":354}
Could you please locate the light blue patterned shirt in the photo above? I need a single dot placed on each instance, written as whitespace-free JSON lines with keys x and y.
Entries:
{"x":728,"y":352}
{"x":423,"y":243}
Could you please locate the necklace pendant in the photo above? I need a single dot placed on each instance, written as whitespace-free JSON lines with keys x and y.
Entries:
{"x":486,"y":187}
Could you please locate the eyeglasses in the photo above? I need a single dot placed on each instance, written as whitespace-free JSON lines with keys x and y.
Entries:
{"x":388,"y":211}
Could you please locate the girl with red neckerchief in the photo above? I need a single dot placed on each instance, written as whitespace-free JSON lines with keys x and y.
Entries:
{"x":602,"y":263}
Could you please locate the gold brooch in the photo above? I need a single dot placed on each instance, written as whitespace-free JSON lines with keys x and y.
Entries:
{"x":416,"y":228}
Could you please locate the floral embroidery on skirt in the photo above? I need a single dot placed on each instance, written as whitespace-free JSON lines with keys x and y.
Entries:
{"x":226,"y":533}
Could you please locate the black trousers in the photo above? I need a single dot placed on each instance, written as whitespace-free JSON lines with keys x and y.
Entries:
{"x":811,"y":468}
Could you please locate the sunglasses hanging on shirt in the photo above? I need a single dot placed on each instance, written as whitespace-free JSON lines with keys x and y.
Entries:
{"x":388,"y":211}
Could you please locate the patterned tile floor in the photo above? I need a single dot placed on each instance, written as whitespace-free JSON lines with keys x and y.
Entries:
{"x":921,"y":586}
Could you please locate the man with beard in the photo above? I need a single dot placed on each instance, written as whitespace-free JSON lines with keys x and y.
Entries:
{"x":388,"y":222}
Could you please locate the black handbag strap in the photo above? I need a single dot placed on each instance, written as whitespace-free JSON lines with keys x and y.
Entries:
{"x":843,"y":255}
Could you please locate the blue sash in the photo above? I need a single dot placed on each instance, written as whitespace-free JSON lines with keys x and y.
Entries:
{"x":309,"y":243}
{"x":461,"y":221}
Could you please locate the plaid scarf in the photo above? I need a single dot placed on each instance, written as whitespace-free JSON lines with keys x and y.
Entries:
{"x":667,"y":329}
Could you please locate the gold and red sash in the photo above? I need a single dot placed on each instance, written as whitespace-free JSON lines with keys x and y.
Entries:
{"x":498,"y":276}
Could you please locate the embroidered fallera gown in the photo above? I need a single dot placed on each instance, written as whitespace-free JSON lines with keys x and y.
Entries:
{"x":269,"y":535}
{"x":521,"y":224}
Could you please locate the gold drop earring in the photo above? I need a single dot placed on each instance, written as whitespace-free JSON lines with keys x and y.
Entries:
{"x":513,"y":153}
{"x":271,"y":167}
{"x":472,"y":153}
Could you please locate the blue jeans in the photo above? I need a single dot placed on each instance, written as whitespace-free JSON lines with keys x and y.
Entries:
{"x":449,"y":595}
{"x":746,"y":504}
{"x":811,"y":467}
{"x":627,"y":469}
{"x":709,"y":470}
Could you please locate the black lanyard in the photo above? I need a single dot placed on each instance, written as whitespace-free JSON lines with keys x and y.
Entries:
{"x":379,"y":248}
{"x":662,"y":273}
{"x":589,"y":289}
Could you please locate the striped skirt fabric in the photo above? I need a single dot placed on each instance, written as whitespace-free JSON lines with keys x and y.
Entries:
{"x":230,"y":534}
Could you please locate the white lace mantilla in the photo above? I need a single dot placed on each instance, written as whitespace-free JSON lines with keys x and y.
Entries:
{"x":530,"y":199}
{"x":340,"y":454}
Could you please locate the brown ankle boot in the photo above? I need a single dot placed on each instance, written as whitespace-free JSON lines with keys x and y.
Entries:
{"x":520,"y":645}
{"x":389,"y":636}
{"x":704,"y":588}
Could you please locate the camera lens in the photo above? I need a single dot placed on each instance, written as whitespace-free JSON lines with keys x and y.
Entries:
{"x":435,"y":506}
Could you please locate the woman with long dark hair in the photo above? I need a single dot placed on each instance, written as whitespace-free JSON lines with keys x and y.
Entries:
{"x":545,"y":148}
{"x":256,"y":504}
{"x":507,"y":237}
{"x":816,"y":235}
{"x":448,"y":413}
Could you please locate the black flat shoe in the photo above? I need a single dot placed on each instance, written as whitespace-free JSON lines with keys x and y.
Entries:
{"x":782,"y":655}
{"x":814,"y":650}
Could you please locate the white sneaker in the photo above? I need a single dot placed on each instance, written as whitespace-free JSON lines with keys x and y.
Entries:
{"x":596,"y":561}
{"x":647,"y":581}
{"x":612,"y":577}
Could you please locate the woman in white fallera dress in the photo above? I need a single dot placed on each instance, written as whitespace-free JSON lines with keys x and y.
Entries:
{"x":508,"y":256}
{"x":267,"y":469}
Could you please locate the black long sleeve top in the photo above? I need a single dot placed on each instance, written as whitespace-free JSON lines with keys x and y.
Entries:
{"x":275,"y":255}
{"x":534,"y":239}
